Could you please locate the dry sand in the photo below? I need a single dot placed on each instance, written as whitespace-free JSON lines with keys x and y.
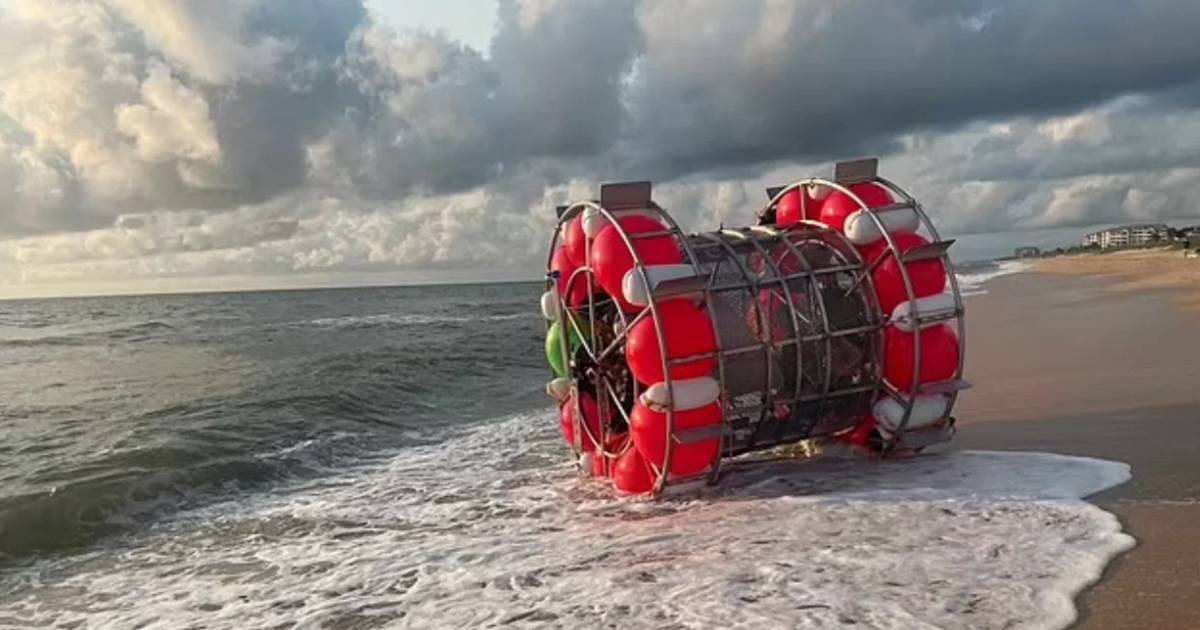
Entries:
{"x":1063,"y":363}
{"x":1132,"y":270}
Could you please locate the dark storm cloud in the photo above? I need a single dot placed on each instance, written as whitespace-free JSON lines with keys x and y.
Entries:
{"x":305,"y":134}
{"x":750,"y":82}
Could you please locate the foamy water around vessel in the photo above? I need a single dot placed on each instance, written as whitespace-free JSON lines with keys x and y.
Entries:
{"x":492,"y":529}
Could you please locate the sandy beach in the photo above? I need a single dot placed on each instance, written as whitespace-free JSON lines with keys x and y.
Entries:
{"x":1094,"y":356}
{"x":1132,"y":270}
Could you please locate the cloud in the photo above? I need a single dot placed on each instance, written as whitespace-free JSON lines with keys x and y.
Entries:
{"x":762,"y":80}
{"x":171,"y":123}
{"x":209,"y":40}
{"x":173,"y":138}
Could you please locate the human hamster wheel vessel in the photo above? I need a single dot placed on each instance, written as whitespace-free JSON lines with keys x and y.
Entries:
{"x":835,"y":316}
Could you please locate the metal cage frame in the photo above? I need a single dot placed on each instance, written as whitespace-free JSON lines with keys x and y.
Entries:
{"x":618,"y":200}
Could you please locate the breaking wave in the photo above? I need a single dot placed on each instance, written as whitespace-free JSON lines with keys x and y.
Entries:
{"x":491,"y":528}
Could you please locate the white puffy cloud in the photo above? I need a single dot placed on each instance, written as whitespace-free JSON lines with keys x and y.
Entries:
{"x":168,"y":138}
{"x":207,"y":39}
{"x":171,"y":123}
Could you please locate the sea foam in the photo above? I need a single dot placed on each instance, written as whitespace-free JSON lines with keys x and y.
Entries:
{"x":491,"y":529}
{"x":971,"y":280}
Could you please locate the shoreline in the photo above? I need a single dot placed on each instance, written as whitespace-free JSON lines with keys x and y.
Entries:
{"x":1084,"y":359}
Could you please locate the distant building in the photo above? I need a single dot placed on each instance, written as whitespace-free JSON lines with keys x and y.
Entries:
{"x":1027,"y":252}
{"x":1127,"y":235}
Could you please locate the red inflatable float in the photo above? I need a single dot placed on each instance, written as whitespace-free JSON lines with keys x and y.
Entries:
{"x":791,"y":208}
{"x":939,"y":355}
{"x":561,"y":263}
{"x":688,"y":332}
{"x":859,"y":435}
{"x":631,"y":474}
{"x":590,"y":419}
{"x":611,"y":258}
{"x":838,"y":205}
{"x":928,"y":276}
{"x":575,"y":242}
{"x":649,"y":430}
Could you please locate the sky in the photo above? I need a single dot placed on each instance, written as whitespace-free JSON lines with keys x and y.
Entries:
{"x":468,"y":21}
{"x":162,"y":145}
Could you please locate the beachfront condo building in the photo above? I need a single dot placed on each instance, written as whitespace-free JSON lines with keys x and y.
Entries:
{"x":1127,"y":235}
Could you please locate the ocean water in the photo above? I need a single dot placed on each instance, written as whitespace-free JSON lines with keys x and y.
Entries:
{"x":973,"y":275}
{"x":116,"y":411}
{"x":386,"y":458}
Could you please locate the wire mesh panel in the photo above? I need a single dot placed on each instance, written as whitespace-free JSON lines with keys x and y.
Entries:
{"x":799,"y":333}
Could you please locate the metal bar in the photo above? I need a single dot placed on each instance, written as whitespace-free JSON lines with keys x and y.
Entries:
{"x":613,"y":396}
{"x":767,"y":328}
{"x":620,"y":339}
{"x":924,"y":437}
{"x":699,"y":434}
{"x":933,"y":317}
{"x":945,"y":387}
{"x":815,"y":287}
{"x":867,"y":271}
{"x":680,"y":286}
{"x":936,"y":249}
{"x":827,"y":271}
{"x":637,"y":236}
{"x":903,"y":205}
{"x":837,"y":393}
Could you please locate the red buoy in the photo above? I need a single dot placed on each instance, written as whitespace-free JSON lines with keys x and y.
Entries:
{"x":631,"y":474}
{"x":561,"y":262}
{"x":687,"y":331}
{"x":611,"y":258}
{"x":939,"y":355}
{"x":591,"y":416}
{"x":859,"y":435}
{"x":790,"y":209}
{"x":838,"y":205}
{"x":575,"y":241}
{"x":928,"y":276}
{"x":615,"y":444}
{"x":649,"y":430}
{"x":598,"y":465}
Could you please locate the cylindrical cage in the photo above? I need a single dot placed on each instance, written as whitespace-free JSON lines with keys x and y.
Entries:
{"x":798,"y":333}
{"x":676,"y":353}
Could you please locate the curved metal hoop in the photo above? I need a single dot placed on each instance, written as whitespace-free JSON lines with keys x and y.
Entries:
{"x":906,"y":399}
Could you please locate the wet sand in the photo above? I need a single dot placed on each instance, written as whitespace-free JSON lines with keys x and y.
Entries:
{"x":1062,"y":363}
